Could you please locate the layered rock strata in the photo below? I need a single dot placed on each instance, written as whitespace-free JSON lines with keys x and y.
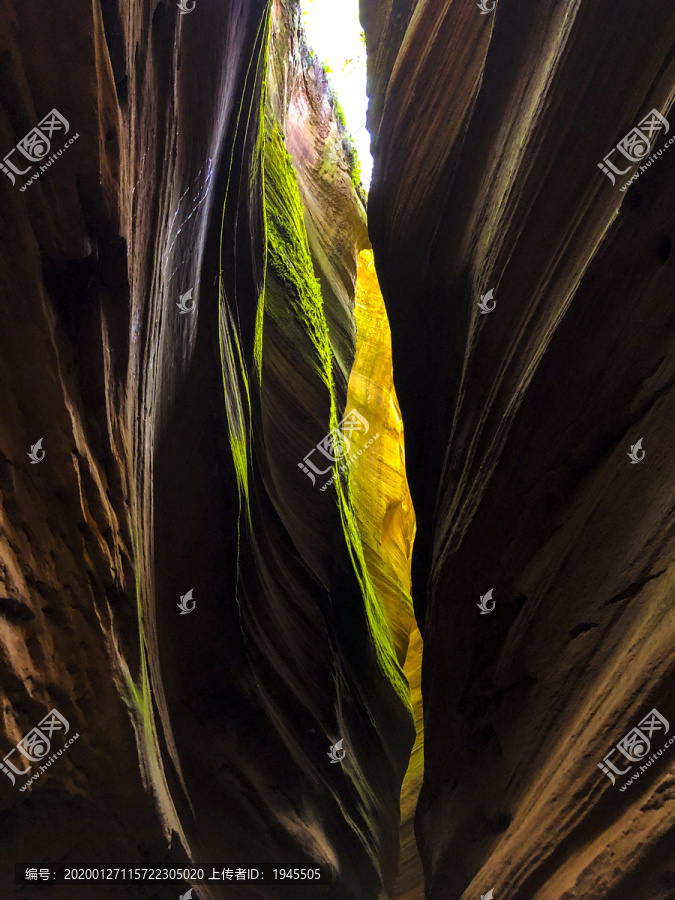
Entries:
{"x":179,"y":330}
{"x":488,"y":131}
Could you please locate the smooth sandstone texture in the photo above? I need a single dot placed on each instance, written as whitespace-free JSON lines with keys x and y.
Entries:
{"x":487,"y":134}
{"x":387,"y":523}
{"x":209,"y":167}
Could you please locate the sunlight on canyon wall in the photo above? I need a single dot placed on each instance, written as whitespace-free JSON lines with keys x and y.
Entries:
{"x":211,"y":163}
{"x":386,"y":520}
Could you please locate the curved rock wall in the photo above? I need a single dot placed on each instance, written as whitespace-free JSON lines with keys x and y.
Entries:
{"x":487,"y":134}
{"x":179,"y":330}
{"x":68,"y":568}
{"x":387,"y":525}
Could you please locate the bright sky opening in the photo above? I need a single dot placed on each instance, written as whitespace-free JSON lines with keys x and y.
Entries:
{"x":335,"y":34}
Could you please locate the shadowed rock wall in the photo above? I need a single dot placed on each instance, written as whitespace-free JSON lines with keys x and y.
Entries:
{"x":487,"y":134}
{"x":208,"y":170}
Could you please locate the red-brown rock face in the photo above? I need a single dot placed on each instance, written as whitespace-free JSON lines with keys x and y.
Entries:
{"x":179,"y":333}
{"x":488,"y":131}
{"x":206,"y":581}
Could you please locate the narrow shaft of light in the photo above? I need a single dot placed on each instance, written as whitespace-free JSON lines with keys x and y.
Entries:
{"x":336,"y":37}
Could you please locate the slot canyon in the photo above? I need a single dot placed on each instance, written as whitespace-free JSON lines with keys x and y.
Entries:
{"x":336,"y":521}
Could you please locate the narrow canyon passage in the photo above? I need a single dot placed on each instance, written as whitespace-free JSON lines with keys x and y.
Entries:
{"x":336,"y":534}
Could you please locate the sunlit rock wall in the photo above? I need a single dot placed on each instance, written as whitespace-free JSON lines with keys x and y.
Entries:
{"x":208,"y":171}
{"x":322,"y":638}
{"x":488,"y":130}
{"x":387,"y":524}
